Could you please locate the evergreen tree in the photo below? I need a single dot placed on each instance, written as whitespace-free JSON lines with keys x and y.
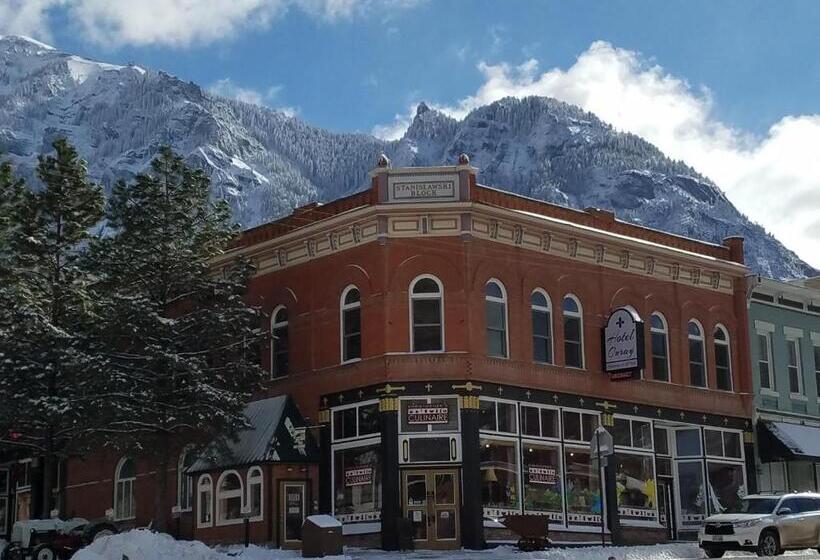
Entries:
{"x":181,"y":339}
{"x":49,"y":373}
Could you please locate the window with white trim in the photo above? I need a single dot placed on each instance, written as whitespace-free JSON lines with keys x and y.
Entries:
{"x":495,"y":306}
{"x":125,"y":475}
{"x":697,"y":355}
{"x":229,"y":498}
{"x":723,"y":359}
{"x":636,"y":434}
{"x":540,"y":422}
{"x":817,"y":366}
{"x":793,"y":365}
{"x":721,"y":443}
{"x":255,"y":494}
{"x":497,"y":416}
{"x":573,"y":332}
{"x":356,"y":421}
{"x":426,"y":315}
{"x":660,"y":347}
{"x":205,"y":503}
{"x":185,"y":483}
{"x":764,"y":361}
{"x":578,"y":426}
{"x":279,"y":357}
{"x":351,"y":317}
{"x":541,"y":312}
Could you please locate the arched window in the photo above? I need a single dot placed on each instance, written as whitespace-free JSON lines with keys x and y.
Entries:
{"x":124,"y":478}
{"x":229,"y":497}
{"x":205,"y":503}
{"x":255,"y":493}
{"x":541,"y":327}
{"x":279,"y":342}
{"x":351,"y":324}
{"x":185,"y":483}
{"x":660,"y":347}
{"x":723,"y":360}
{"x":697,"y":355}
{"x":426,"y":318}
{"x":573,"y":332}
{"x":495,"y":305}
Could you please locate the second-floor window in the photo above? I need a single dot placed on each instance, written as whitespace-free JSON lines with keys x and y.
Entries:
{"x":351,"y":324}
{"x":697,"y":355}
{"x":764,"y":361}
{"x":660,"y":348}
{"x":573,"y":332}
{"x":279,"y":361}
{"x":495,"y":305}
{"x":541,"y":327}
{"x":426,"y":315}
{"x":793,"y":366}
{"x":723,"y":359}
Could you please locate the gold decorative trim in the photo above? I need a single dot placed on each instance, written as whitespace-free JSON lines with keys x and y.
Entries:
{"x":469,"y":387}
{"x":324,"y":416}
{"x":388,"y":389}
{"x":468,"y":401}
{"x":606,"y":405}
{"x":389,"y":404}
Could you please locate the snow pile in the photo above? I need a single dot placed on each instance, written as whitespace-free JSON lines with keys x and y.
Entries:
{"x":142,"y":544}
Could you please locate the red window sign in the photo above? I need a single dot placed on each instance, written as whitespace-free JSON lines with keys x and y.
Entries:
{"x":542,"y":475}
{"x":358,"y":476}
{"x":423,"y":413}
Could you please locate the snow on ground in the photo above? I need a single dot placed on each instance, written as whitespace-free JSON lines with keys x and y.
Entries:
{"x":142,"y":544}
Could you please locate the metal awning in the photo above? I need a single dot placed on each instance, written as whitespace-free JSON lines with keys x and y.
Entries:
{"x":786,"y":441}
{"x":277,"y":434}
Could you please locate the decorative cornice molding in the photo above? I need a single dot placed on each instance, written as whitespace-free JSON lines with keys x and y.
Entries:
{"x":498,"y":225}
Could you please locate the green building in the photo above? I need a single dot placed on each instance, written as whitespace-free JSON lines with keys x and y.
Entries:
{"x":785,"y":357}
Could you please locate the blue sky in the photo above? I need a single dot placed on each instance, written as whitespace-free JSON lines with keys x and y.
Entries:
{"x":730,"y":87}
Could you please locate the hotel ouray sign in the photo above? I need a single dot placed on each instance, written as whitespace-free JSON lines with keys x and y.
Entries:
{"x":423,"y":188}
{"x":423,"y":413}
{"x":623,"y":344}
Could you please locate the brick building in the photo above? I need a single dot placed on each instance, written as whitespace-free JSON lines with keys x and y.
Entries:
{"x":441,"y":342}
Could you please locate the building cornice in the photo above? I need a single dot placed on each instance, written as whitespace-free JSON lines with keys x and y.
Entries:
{"x":517,"y":228}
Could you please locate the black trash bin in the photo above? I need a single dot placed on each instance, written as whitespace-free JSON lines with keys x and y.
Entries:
{"x":321,"y":536}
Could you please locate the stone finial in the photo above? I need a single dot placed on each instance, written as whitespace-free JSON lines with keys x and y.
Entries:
{"x":464,"y":159}
{"x":383,"y":161}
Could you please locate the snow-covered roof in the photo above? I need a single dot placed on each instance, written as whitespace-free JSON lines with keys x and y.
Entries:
{"x":277,"y":434}
{"x":801,"y":441}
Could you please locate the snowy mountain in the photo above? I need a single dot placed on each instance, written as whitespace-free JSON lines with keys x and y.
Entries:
{"x":265,"y":163}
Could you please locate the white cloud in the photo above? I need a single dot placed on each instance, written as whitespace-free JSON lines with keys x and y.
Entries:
{"x":775,"y":180}
{"x":176,"y":23}
{"x":267,"y":98}
{"x":25,"y":17}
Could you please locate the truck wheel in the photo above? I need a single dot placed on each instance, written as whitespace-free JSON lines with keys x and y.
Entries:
{"x":11,"y":552}
{"x":44,"y":552}
{"x":714,"y":551}
{"x":769,"y":544}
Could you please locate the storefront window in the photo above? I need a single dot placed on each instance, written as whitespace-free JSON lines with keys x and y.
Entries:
{"x":499,"y":474}
{"x":582,"y":486}
{"x":496,"y":416}
{"x":356,"y":421}
{"x":579,"y":426}
{"x":688,"y":442}
{"x":691,"y":491}
{"x":801,"y":476}
{"x":726,"y":486}
{"x":357,"y":480}
{"x":542,"y":478}
{"x":635,"y":482}
{"x":539,"y":422}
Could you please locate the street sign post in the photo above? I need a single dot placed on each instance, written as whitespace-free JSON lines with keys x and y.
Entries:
{"x":601,"y":446}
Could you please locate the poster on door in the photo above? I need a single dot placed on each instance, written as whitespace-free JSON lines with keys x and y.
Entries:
{"x":358,"y":476}
{"x":542,"y":475}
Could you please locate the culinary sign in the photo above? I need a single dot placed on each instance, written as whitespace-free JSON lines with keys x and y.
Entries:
{"x":542,"y":475}
{"x":358,"y":476}
{"x":423,"y":413}
{"x":623,"y":347}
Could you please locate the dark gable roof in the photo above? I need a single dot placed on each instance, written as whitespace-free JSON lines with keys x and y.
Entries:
{"x":277,"y":435}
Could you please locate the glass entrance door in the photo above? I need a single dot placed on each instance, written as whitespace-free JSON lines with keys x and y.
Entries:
{"x":431,"y":503}
{"x":294,"y":503}
{"x":666,"y":507}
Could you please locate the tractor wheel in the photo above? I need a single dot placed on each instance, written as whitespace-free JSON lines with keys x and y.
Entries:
{"x":12,"y":552}
{"x":44,"y":552}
